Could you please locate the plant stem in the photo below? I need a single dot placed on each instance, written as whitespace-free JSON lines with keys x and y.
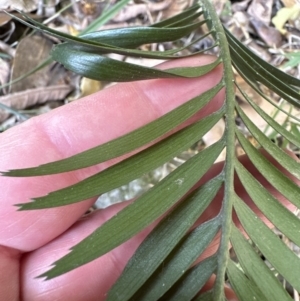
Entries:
{"x":226,"y":211}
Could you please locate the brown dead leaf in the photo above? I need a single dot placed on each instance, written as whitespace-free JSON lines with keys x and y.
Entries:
{"x":254,"y":117}
{"x":270,"y":110}
{"x":31,"y":51}
{"x":247,"y":89}
{"x":240,"y":25}
{"x":270,"y":35}
{"x":7,"y":49}
{"x":289,"y":3}
{"x":4,"y":73}
{"x":132,"y":11}
{"x":176,"y":7}
{"x":89,"y":7}
{"x":260,"y":51}
{"x":4,"y":18}
{"x":23,"y":5}
{"x":239,"y":6}
{"x":31,"y":97}
{"x":261,"y":10}
{"x":219,"y":5}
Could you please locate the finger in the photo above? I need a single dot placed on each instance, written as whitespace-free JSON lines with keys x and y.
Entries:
{"x":9,"y":274}
{"x":79,"y":126}
{"x":104,"y":271}
{"x":93,"y":280}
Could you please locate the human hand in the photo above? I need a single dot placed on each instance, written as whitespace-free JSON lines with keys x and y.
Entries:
{"x":30,"y":241}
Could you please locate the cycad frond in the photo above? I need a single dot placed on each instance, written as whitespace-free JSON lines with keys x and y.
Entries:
{"x":166,"y":256}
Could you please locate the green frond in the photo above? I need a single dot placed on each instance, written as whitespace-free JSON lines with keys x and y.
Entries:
{"x":164,"y":266}
{"x":244,"y":288}
{"x":280,"y":216}
{"x":166,"y":237}
{"x":140,"y":214}
{"x":271,"y":246}
{"x":256,"y":270}
{"x":193,"y":280}
{"x":124,"y":144}
{"x":129,"y":169}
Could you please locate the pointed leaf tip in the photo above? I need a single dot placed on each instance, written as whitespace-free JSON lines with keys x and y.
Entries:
{"x":19,"y":207}
{"x":27,"y":206}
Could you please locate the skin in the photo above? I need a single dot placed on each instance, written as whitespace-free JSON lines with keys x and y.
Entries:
{"x":29,"y":240}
